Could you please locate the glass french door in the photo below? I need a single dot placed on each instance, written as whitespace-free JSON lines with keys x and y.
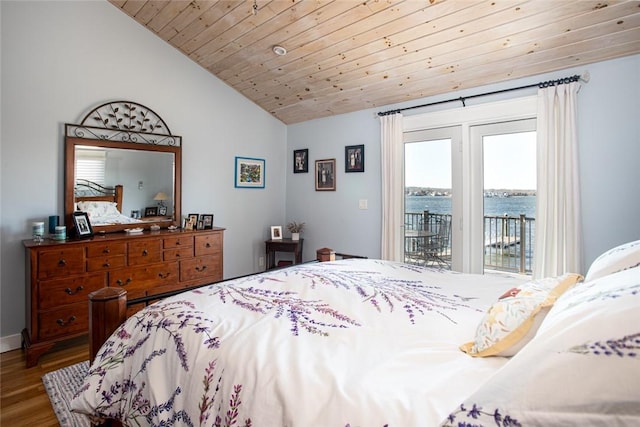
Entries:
{"x":429,"y":196}
{"x":504,"y":196}
{"x":450,"y":151}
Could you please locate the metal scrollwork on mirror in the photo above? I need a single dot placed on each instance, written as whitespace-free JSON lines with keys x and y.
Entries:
{"x":123,"y":167}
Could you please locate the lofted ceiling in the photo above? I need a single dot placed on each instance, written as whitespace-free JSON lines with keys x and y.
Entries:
{"x":348,"y":55}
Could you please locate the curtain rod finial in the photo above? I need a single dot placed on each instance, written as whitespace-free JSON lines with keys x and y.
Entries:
{"x":585,"y":77}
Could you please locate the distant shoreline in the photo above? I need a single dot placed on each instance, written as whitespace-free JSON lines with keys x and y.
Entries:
{"x":446,"y":192}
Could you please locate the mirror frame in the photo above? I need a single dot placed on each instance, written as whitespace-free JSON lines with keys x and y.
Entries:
{"x":124,"y":125}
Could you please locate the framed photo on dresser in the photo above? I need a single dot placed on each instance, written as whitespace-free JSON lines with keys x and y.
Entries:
{"x":207,"y":221}
{"x":151,"y":211}
{"x":191,"y":222}
{"x":82,"y":224}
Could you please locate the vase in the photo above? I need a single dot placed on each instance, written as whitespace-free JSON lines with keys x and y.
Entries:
{"x":295,"y":236}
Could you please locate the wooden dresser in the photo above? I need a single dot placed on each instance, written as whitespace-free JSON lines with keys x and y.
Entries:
{"x":61,"y":274}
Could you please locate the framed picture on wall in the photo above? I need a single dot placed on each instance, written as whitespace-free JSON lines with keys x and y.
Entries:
{"x":249,"y":172}
{"x":301,"y":161}
{"x":326,"y":175}
{"x":354,"y":158}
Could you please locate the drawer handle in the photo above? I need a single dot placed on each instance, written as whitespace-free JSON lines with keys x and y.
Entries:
{"x":67,"y":323}
{"x":208,"y":245}
{"x":201,"y":269}
{"x":163,"y":275}
{"x":178,"y":243}
{"x":106,"y":264}
{"x":145,"y":252}
{"x":62,"y":263}
{"x":106,"y":251}
{"x":71,"y":292}
{"x":119,"y":282}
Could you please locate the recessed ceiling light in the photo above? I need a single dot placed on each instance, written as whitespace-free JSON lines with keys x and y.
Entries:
{"x":279,"y":50}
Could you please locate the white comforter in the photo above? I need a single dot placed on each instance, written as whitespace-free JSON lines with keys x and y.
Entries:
{"x":346,"y":343}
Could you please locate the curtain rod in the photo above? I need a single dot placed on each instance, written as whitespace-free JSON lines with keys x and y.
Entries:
{"x":463,"y":99}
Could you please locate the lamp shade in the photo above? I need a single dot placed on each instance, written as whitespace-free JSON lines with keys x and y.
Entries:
{"x":161,"y":196}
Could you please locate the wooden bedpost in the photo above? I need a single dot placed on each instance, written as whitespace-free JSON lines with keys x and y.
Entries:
{"x":107,"y":310}
{"x":119,"y":190}
{"x":325,"y":254}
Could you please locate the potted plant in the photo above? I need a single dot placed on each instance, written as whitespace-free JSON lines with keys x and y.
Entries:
{"x":295,"y":228}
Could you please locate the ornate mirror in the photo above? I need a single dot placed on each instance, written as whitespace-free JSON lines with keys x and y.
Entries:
{"x":123,"y":167}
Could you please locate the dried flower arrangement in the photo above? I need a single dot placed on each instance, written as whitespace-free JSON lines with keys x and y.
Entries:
{"x":295,"y":227}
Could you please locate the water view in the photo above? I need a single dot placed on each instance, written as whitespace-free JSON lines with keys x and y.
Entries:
{"x":508,"y":239}
{"x":493,"y":206}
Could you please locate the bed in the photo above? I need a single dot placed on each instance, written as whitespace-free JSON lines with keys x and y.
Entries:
{"x":103,"y":205}
{"x":362,"y":342}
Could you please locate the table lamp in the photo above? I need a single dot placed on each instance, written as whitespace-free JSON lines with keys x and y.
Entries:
{"x":161,"y":197}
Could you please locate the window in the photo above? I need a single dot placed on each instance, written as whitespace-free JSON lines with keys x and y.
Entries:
{"x":90,"y":165}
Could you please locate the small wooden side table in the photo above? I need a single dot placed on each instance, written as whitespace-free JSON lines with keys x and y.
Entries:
{"x":282,"y":245}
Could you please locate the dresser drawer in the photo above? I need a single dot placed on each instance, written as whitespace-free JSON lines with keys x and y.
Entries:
{"x":55,"y":293}
{"x":206,"y":267}
{"x":106,"y":249}
{"x":60,"y":263}
{"x":177,"y":242}
{"x":65,"y":321}
{"x":209,"y":244}
{"x":137,"y":280}
{"x":168,"y":288}
{"x":144,"y":252}
{"x":105,"y":263}
{"x":178,"y":254}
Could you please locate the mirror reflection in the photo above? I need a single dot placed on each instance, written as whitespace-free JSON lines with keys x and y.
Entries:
{"x":145,"y":177}
{"x":122,"y":186}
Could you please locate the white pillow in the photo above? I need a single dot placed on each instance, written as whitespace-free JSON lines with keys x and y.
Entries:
{"x":99,"y":209}
{"x":581,"y":369}
{"x":614,"y":260}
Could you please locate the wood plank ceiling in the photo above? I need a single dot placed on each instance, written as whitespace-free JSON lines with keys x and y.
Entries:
{"x":348,"y":55}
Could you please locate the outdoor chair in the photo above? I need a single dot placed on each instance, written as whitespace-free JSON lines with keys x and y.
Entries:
{"x":437,"y":246}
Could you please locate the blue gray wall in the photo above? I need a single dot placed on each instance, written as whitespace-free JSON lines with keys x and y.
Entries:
{"x":608,"y":131}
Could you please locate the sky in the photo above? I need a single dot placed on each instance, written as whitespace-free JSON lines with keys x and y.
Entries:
{"x":509,"y":162}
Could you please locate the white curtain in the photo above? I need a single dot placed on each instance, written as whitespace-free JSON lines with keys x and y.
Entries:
{"x":558,"y":246}
{"x":392,"y":195}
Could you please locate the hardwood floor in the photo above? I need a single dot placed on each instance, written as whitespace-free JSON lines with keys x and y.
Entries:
{"x":23,"y":400}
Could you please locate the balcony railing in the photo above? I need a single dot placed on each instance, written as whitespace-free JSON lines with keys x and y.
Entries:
{"x":508,"y":242}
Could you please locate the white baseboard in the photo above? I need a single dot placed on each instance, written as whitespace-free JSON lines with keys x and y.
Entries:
{"x":12,"y":342}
